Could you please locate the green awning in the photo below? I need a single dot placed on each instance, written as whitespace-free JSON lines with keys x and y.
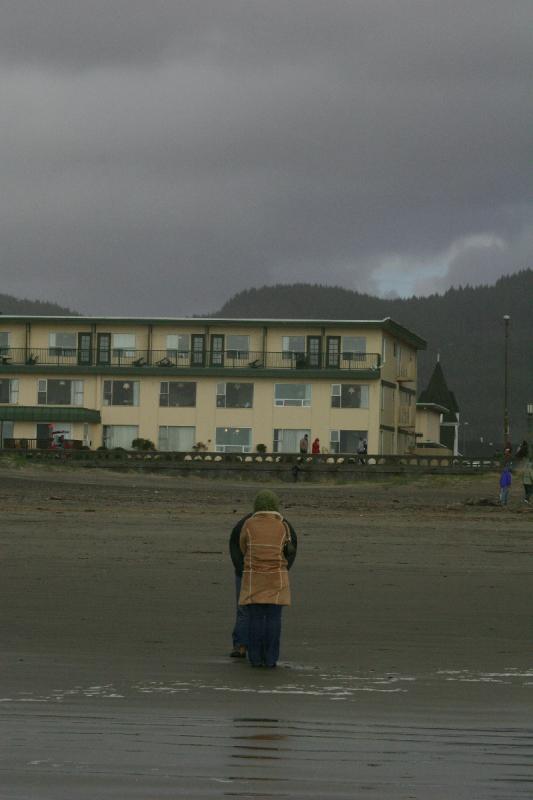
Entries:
{"x":48,"y":414}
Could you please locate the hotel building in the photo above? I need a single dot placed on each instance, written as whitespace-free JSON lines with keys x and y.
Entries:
{"x":229,"y":384}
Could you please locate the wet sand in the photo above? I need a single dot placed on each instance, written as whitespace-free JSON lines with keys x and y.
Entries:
{"x":406,"y":668}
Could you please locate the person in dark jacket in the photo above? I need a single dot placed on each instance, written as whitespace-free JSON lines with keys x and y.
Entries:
{"x":240,"y":633}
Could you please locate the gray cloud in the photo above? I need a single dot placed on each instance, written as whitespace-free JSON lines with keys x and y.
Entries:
{"x":158,"y":157}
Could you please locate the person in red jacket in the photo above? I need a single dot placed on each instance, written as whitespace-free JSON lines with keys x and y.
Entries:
{"x":315,"y":448}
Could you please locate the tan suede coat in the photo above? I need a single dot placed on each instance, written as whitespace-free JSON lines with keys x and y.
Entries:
{"x":265,"y":578}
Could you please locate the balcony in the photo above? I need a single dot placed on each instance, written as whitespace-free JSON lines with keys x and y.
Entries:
{"x":177,"y":360}
{"x":405,"y":373}
{"x":407,"y":417}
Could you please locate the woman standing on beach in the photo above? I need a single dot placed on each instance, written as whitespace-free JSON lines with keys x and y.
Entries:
{"x":268,"y":546}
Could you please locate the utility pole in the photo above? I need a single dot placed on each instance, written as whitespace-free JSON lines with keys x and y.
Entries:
{"x":506,"y":431}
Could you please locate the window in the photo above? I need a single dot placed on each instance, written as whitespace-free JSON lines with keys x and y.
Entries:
{"x":293,"y":347}
{"x":176,"y":438}
{"x":121,"y":393}
{"x":62,"y":344}
{"x":120,"y":435}
{"x":51,"y":391}
{"x":292,"y":394}
{"x":124,"y":345}
{"x":349,"y":395}
{"x":178,"y":346}
{"x":5,"y":337}
{"x":287,"y":440}
{"x":233,"y":440}
{"x":9,"y":390}
{"x":6,"y":431}
{"x":237,"y":346}
{"x":346,"y":441}
{"x":235,"y":395}
{"x":177,"y":394}
{"x":353,"y":348}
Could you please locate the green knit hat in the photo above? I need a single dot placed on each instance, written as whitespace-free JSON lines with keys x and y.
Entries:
{"x":266,"y":501}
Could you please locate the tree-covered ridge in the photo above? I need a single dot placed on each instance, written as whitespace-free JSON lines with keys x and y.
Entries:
{"x":14,"y":305}
{"x":465,"y":326}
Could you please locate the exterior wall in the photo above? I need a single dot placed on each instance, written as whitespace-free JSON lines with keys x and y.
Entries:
{"x":380,"y":421}
{"x":428,"y":425}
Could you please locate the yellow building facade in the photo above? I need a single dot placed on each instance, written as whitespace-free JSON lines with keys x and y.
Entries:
{"x":226,"y":385}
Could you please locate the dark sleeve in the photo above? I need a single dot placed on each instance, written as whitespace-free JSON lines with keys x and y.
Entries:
{"x":294,"y":540}
{"x":234,"y":546}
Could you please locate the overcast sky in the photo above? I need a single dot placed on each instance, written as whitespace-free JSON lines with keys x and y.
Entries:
{"x":157,"y":156}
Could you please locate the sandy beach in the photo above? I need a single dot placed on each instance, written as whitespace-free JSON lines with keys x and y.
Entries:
{"x":406,"y":668}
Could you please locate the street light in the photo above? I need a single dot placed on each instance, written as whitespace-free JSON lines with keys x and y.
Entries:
{"x":506,"y":432}
{"x":464,"y":438}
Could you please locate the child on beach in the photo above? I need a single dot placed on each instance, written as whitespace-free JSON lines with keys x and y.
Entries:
{"x":505,"y":485}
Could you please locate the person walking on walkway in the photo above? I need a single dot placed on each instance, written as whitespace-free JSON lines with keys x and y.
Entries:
{"x":268,"y":544}
{"x":505,"y":485}
{"x":527,"y":481}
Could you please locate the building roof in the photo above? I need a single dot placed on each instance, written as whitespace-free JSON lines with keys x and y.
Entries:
{"x":387,"y":324}
{"x":438,"y":409}
{"x":437,"y":392}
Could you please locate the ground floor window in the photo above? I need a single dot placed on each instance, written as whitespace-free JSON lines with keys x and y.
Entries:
{"x":287,"y":440}
{"x":6,"y":431}
{"x":386,"y":445}
{"x":346,"y":441}
{"x":53,"y":434}
{"x":176,"y":438}
{"x":234,"y":440}
{"x":120,"y":435}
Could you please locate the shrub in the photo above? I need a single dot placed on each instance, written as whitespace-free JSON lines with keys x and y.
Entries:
{"x":143,"y":444}
{"x":261,"y":448}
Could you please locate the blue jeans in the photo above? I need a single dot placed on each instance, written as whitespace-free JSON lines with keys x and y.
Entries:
{"x":265,"y":633}
{"x":504,"y":495}
{"x":242,"y":619}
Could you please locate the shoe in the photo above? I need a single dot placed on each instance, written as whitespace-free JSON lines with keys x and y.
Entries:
{"x":236,"y":653}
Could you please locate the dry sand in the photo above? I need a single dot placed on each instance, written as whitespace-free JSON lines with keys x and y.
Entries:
{"x":405,"y":672}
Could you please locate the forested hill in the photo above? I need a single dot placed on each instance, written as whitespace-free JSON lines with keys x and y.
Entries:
{"x":464,"y":325}
{"x":13,"y":305}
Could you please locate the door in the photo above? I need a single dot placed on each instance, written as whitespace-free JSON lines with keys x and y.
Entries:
{"x":349,"y":440}
{"x":333,"y":351}
{"x":45,"y":435}
{"x":217,"y":350}
{"x":103,"y":348}
{"x":85,"y":341}
{"x":313,"y":351}
{"x":197,"y":350}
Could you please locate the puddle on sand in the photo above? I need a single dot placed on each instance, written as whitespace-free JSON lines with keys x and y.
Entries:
{"x":164,"y":754}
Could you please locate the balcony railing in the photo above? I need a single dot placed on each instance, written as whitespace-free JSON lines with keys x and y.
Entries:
{"x":407,"y":416}
{"x":42,"y":444}
{"x":405,"y":372}
{"x":186,"y":359}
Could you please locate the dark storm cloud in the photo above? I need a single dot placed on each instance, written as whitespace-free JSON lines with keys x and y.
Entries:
{"x":157,"y":157}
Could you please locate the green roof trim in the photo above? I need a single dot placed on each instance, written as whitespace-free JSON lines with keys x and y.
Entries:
{"x":387,"y":324}
{"x":48,"y":414}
